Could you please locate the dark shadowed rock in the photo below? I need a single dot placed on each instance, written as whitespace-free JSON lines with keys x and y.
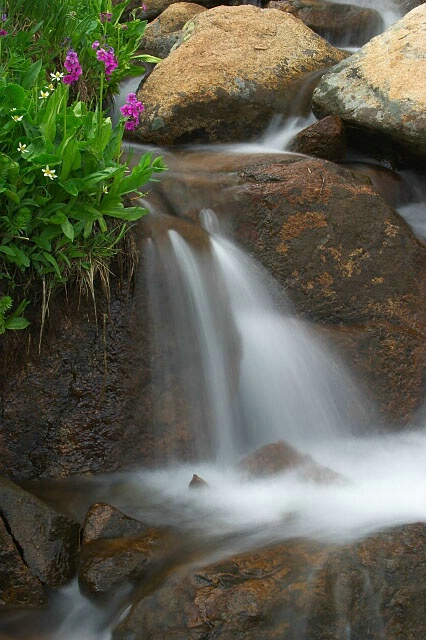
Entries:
{"x":104,"y":521}
{"x":48,"y":541}
{"x":116,"y":550}
{"x":163,"y":33}
{"x":297,"y":589}
{"x":18,"y":586}
{"x":340,"y":24}
{"x":323,"y":139}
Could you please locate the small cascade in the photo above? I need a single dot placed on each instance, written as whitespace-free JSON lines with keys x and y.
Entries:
{"x":250,"y":371}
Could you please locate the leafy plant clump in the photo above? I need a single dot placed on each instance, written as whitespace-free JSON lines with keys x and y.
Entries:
{"x":62,"y":178}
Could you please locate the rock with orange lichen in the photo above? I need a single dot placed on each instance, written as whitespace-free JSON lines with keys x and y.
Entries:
{"x":293,"y":590}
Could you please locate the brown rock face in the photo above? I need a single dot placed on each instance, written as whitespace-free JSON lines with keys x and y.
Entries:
{"x":104,"y":521}
{"x":116,"y":549}
{"x":324,"y":139}
{"x":233,"y":70}
{"x":293,"y":590}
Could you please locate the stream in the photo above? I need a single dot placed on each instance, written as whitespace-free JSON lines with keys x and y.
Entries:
{"x":290,"y":387}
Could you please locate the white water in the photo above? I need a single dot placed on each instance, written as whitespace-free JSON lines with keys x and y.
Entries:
{"x":291,"y":388}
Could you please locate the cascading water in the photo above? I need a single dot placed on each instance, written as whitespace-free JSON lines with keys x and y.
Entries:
{"x":247,"y":372}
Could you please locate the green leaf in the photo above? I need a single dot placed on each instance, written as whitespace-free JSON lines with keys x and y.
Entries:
{"x":29,"y":77}
{"x":13,"y":95}
{"x":70,"y":187}
{"x":7,"y":250}
{"x":17,"y":323}
{"x":71,"y":158}
{"x":49,"y":257}
{"x":68,"y":230}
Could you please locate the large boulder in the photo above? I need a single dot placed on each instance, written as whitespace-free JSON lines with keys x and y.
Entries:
{"x":299,"y":589}
{"x":235,"y":68}
{"x":381,"y":89}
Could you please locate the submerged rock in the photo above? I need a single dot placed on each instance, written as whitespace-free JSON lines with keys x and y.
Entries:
{"x":235,"y":67}
{"x":381,"y":89}
{"x":197,"y":482}
{"x":279,"y":457}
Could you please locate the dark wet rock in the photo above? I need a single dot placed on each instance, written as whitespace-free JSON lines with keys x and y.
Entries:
{"x":299,"y":588}
{"x":18,"y":586}
{"x":232,"y":71}
{"x":117,"y":550}
{"x":407,"y":5}
{"x":279,"y":457}
{"x":371,"y":93}
{"x":197,"y":482}
{"x":341,"y":24}
{"x":323,"y":139}
{"x":104,"y":521}
{"x":164,"y":32}
{"x":61,"y":409}
{"x":155,"y":8}
{"x":47,"y":540}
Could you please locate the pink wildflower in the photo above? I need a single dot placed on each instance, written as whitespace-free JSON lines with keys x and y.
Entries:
{"x":109,"y":59}
{"x":73,"y":67}
{"x":105,"y":17}
{"x":131,"y":110}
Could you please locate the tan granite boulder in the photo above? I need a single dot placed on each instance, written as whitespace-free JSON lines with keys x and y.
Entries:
{"x":381,"y":89}
{"x":235,"y":68}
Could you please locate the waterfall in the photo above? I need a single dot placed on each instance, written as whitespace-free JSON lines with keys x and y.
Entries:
{"x":252,"y":372}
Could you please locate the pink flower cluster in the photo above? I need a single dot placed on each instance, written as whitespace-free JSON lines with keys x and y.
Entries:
{"x":107,"y":57}
{"x":132,"y":110}
{"x":73,"y":67}
{"x":105,"y":16}
{"x":3,"y":18}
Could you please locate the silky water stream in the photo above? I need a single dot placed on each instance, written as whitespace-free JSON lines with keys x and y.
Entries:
{"x":254,"y":374}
